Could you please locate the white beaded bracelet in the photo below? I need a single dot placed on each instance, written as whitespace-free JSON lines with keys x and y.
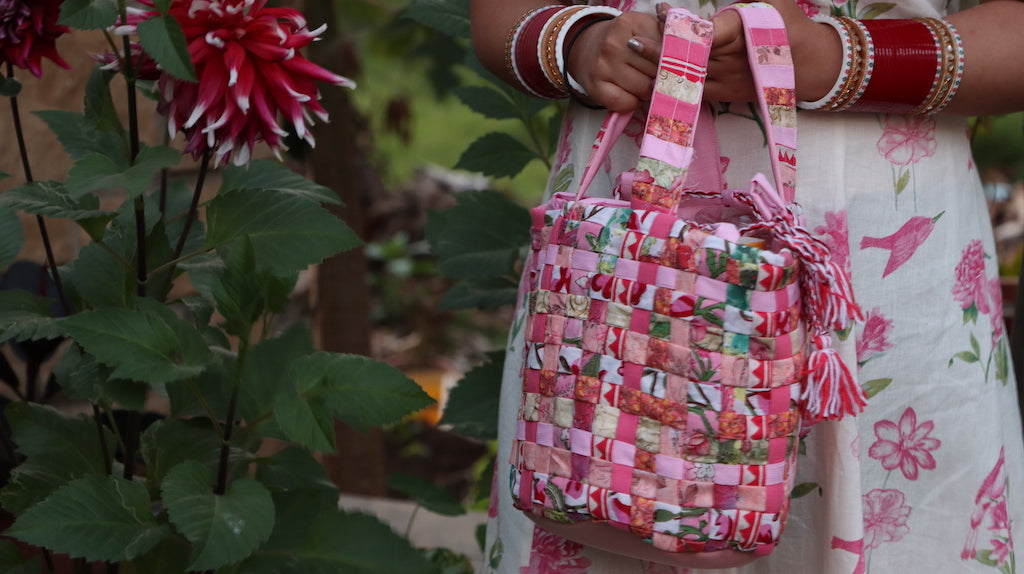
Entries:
{"x":845,"y":73}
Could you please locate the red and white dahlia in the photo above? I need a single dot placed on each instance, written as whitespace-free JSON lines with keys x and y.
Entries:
{"x":250,"y":72}
{"x":28,"y":33}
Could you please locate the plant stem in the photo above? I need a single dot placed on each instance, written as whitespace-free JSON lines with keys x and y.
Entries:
{"x":97,"y":416}
{"x":229,"y":423}
{"x":194,"y":206}
{"x":23,"y":151}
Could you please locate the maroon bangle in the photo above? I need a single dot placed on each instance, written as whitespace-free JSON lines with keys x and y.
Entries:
{"x":527,"y":60}
{"x":906,"y":58}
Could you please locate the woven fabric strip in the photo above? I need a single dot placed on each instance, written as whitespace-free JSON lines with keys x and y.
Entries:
{"x":665,"y":357}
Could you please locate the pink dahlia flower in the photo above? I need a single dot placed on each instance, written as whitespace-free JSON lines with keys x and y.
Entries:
{"x":250,"y":72}
{"x":28,"y":33}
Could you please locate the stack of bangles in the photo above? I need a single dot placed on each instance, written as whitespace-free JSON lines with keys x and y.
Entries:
{"x":537,"y":50}
{"x":895,"y":66}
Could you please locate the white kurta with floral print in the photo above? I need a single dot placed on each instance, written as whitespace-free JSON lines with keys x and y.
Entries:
{"x":930,"y":478}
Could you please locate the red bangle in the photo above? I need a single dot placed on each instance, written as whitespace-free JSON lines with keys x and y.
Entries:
{"x":527,"y":62}
{"x":906,"y":57}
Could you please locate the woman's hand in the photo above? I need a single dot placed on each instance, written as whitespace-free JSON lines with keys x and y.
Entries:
{"x":816,"y":48}
{"x":615,"y":61}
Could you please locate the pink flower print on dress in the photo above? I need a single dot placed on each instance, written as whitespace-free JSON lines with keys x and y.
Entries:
{"x":810,"y":8}
{"x":874,"y":337}
{"x":995,"y":290}
{"x":907,"y":139}
{"x":836,"y":235}
{"x":904,"y":242}
{"x":552,"y":554}
{"x":971,"y":287}
{"x":885,"y":517}
{"x":564,"y":144}
{"x":906,"y":445}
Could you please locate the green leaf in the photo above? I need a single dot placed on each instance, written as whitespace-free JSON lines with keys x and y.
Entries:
{"x":875,"y":386}
{"x":10,"y":87}
{"x":482,"y":236}
{"x":563,"y":179}
{"x":169,"y":442}
{"x":79,"y":136}
{"x":472,"y":406}
{"x":294,"y":468}
{"x":965,"y":356}
{"x":287,"y":235}
{"x":170,"y":556}
{"x":875,"y":10}
{"x":96,"y":517}
{"x":450,"y":17}
{"x":12,"y":562}
{"x":975,"y":346}
{"x":99,"y":104}
{"x":95,"y":172}
{"x":426,"y":494}
{"x":139,"y":346}
{"x":481,"y":294}
{"x":162,"y":38}
{"x":358,"y":390}
{"x":496,"y":154}
{"x":88,"y":14}
{"x":266,"y":372}
{"x":50,"y":199}
{"x":58,"y":448}
{"x":224,"y":529}
{"x":305,"y":420}
{"x":101,"y":279}
{"x":487,"y":101}
{"x":81,"y":377}
{"x":269,"y":175}
{"x":803,"y":489}
{"x":27,"y":317}
{"x":337,"y":541}
{"x":902,"y":182}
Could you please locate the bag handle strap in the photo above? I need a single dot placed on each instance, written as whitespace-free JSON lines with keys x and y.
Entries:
{"x":667,"y":146}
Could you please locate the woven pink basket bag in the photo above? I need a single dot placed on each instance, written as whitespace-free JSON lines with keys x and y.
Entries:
{"x":678,"y":343}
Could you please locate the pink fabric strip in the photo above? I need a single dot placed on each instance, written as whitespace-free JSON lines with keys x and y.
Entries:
{"x":667,"y":152}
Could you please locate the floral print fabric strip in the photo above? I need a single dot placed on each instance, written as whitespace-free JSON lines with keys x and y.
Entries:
{"x":930,"y":478}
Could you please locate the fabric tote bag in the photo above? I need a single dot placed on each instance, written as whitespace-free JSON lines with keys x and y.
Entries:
{"x":678,"y":342}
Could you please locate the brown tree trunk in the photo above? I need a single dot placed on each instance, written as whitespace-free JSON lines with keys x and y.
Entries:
{"x":341,"y":162}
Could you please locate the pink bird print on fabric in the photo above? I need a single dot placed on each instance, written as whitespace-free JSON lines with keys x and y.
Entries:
{"x":904,"y":242}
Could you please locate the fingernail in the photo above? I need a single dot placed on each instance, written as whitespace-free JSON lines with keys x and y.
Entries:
{"x":635,"y":45}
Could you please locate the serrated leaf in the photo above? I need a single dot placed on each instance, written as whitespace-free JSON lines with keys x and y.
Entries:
{"x":101,"y":279}
{"x":426,"y":494}
{"x":88,"y":14}
{"x":79,"y":136}
{"x":294,"y":468}
{"x":482,"y":236}
{"x":472,"y":406}
{"x":287,"y":235}
{"x":50,"y":199}
{"x":10,"y":87}
{"x":358,"y":390}
{"x":162,"y":38}
{"x":138,"y":346}
{"x":58,"y":448}
{"x":27,"y":317}
{"x":875,"y":386}
{"x":222,"y":528}
{"x":12,"y":562}
{"x":450,"y":17}
{"x":96,"y":517}
{"x":269,"y":175}
{"x":487,"y":101}
{"x":497,"y":155}
{"x":338,"y":541}
{"x":265,"y":376}
{"x":95,"y":172}
{"x":99,"y":104}
{"x":172,"y":441}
